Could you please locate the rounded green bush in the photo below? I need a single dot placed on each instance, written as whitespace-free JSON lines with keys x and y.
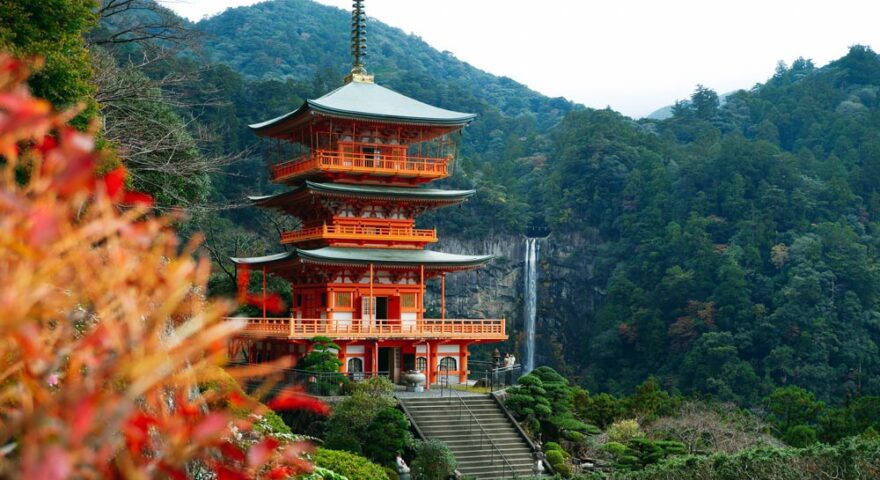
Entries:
{"x":615,"y":448}
{"x":349,"y":464}
{"x":433,"y":461}
{"x":552,"y":446}
{"x":554,"y":457}
{"x":562,"y":468}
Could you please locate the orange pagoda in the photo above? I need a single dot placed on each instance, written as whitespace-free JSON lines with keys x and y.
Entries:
{"x":358,"y":265}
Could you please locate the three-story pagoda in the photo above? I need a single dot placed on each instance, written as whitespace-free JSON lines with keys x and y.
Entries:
{"x":358,"y":265}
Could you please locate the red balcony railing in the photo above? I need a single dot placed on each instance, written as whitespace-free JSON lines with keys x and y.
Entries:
{"x":361,"y":232}
{"x":362,"y":163}
{"x":306,"y":328}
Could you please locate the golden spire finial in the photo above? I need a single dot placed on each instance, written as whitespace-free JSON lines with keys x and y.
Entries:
{"x":358,"y":44}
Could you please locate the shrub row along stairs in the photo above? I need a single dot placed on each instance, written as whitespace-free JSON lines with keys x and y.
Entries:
{"x":446,"y":419}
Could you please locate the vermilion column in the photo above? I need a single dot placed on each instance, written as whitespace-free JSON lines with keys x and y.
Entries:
{"x":375,"y":357}
{"x":430,"y":373}
{"x":341,"y":356}
{"x":463,"y":354}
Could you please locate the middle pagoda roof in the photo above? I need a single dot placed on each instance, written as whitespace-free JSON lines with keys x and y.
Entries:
{"x":343,"y":190}
{"x":359,"y":100}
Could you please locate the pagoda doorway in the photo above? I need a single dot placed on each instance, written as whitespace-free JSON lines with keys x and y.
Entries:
{"x":389,"y":362}
{"x":381,"y":308}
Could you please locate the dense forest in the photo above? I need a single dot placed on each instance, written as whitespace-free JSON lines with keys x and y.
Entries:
{"x":739,"y":242}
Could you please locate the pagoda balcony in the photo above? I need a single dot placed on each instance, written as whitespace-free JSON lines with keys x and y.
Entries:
{"x":358,"y":329}
{"x":404,"y":167}
{"x":362,"y":234}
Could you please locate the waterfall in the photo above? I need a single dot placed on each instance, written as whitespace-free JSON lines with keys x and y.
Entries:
{"x":530,"y":297}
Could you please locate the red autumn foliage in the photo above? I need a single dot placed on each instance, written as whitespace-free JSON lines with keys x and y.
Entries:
{"x":107,"y":344}
{"x":292,"y":399}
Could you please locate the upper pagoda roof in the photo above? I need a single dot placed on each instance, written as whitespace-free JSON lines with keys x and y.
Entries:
{"x":368,"y":101}
{"x":364,"y":256}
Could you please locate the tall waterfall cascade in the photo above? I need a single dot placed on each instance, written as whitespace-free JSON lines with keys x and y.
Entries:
{"x":530,"y":297}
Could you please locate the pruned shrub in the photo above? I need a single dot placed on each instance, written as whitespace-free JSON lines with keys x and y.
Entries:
{"x":350,"y":465}
{"x":433,"y":461}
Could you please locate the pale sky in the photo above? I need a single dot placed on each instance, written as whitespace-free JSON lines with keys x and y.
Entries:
{"x":633,"y":55}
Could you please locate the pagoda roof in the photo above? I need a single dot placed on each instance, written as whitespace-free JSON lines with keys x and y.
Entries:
{"x":369,"y":101}
{"x":364,"y":256}
{"x":366,"y":191}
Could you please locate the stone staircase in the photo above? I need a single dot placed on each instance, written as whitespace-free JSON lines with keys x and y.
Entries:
{"x":446,"y":419}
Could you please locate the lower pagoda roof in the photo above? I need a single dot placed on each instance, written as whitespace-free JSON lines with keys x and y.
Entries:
{"x":390,"y":257}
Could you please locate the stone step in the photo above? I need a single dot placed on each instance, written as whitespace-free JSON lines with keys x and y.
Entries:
{"x":467,"y":456}
{"x":468,"y":430}
{"x":455,"y":419}
{"x":474,"y":443}
{"x":499,"y":440}
{"x":453,"y":408}
{"x":496,"y":471}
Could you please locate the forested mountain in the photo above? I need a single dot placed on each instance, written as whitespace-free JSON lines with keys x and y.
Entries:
{"x":743,"y":238}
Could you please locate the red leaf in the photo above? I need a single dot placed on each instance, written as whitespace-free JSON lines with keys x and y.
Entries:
{"x":44,"y":226}
{"x":46,"y":145}
{"x":293,"y":400}
{"x":71,"y":174}
{"x":237,"y":399}
{"x":210,"y":427}
{"x":231,"y":451}
{"x":259,"y":453}
{"x":273,"y":301}
{"x":135,"y":431}
{"x":83,"y":414}
{"x":54,"y":465}
{"x":175,"y":473}
{"x":137,"y":198}
{"x":244,"y":279}
{"x":114,"y":182}
{"x":282,"y":472}
{"x":224,"y":473}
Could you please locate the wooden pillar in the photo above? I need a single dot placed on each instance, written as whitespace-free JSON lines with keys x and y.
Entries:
{"x":293,"y":304}
{"x":421,"y":291}
{"x":375,"y":356}
{"x":443,"y":296}
{"x":371,"y":303}
{"x":430,"y":373}
{"x":463,"y":354}
{"x":341,"y":356}
{"x":264,"y":292}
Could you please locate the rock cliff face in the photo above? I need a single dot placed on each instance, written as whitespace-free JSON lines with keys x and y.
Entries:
{"x":570,"y":291}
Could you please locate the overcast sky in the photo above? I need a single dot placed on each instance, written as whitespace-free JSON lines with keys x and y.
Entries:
{"x":632,"y":55}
